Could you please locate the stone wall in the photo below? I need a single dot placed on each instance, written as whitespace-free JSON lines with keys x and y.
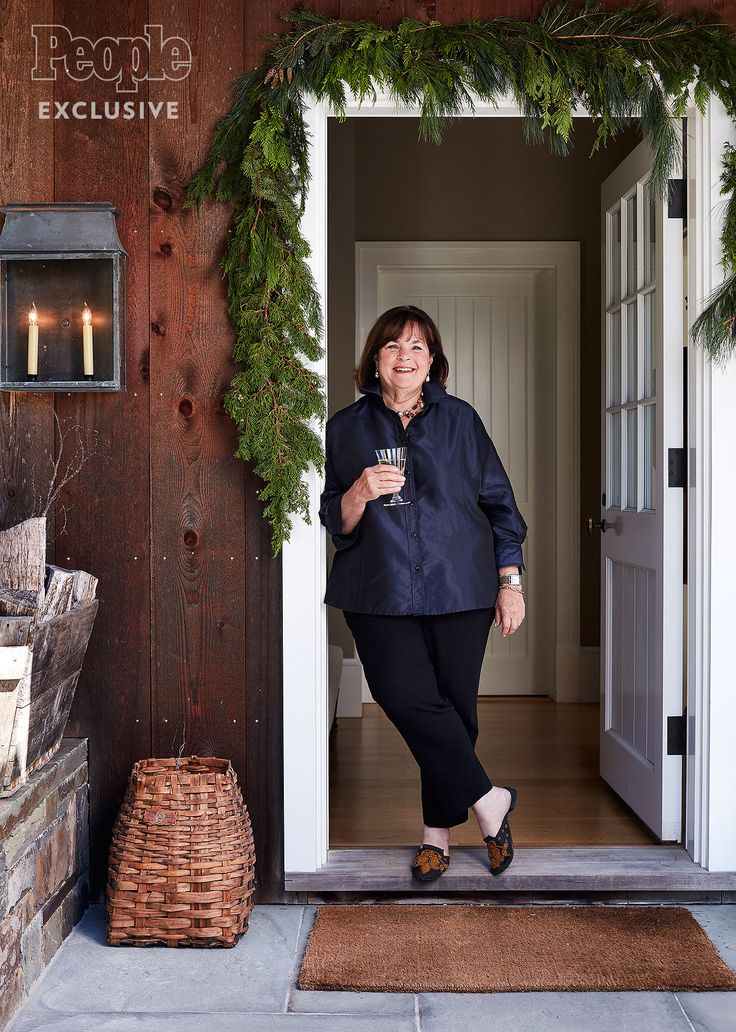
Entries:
{"x":44,"y":866}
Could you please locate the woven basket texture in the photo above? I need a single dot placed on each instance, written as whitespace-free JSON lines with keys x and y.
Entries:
{"x":182,"y":860}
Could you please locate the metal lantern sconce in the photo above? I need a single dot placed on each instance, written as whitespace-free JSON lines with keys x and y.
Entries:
{"x":62,"y":298}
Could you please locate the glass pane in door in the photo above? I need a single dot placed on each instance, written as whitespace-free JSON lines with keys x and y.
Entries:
{"x":649,"y":232}
{"x":614,"y":358}
{"x":649,"y":456}
{"x":631,"y":352}
{"x":614,"y":261}
{"x":613,"y":491}
{"x":631,"y":237}
{"x":631,"y":457}
{"x":647,"y":331}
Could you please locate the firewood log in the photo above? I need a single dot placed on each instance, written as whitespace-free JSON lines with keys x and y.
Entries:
{"x":85,"y":588}
{"x":23,"y":557}
{"x":58,"y":597}
{"x":14,"y":602}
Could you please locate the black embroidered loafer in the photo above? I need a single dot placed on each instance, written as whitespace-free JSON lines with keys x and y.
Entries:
{"x":501,"y":845}
{"x":429,"y":863}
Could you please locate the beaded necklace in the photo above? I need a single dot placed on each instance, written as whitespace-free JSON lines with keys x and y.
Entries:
{"x":411,"y":412}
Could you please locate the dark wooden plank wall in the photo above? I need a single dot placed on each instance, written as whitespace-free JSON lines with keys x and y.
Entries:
{"x":197,"y":547}
{"x":187,"y":644}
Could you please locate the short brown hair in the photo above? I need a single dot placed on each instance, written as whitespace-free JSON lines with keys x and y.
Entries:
{"x":390,"y":326}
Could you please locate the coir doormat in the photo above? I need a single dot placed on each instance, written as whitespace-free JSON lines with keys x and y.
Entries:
{"x":492,"y":949}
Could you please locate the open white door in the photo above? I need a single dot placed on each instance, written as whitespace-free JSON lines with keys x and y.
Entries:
{"x":641,"y":516}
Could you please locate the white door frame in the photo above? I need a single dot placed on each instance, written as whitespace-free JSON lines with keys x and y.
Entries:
{"x":711,"y":837}
{"x":710,"y":834}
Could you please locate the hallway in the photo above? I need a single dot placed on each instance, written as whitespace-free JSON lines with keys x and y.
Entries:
{"x":549,"y":751}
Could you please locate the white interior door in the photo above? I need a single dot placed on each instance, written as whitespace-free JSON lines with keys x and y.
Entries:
{"x":488,"y":321}
{"x":642,"y":538}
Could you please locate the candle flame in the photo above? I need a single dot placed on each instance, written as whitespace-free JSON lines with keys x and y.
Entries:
{"x":86,"y":315}
{"x":32,"y":314}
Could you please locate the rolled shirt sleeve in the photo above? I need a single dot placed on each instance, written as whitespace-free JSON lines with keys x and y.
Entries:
{"x":496,"y":499}
{"x":330,"y":510}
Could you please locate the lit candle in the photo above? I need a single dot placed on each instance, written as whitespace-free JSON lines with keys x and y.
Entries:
{"x":33,"y":341}
{"x":89,"y":364}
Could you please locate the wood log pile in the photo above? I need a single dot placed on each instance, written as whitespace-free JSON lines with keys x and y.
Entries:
{"x":46,"y":619}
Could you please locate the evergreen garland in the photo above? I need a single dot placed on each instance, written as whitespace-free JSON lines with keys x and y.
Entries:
{"x":635,"y":64}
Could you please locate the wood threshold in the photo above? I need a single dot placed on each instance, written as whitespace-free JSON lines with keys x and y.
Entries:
{"x":579,"y":868}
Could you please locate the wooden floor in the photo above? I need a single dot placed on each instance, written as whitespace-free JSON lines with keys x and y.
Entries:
{"x":548,"y":751}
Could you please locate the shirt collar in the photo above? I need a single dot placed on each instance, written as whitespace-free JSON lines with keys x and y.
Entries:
{"x":433,"y":389}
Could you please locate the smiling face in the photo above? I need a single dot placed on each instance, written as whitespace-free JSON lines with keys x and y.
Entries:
{"x":404,"y":363}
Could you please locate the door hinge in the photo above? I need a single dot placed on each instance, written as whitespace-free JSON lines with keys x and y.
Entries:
{"x":676,"y":467}
{"x":677,"y":199}
{"x":676,"y":735}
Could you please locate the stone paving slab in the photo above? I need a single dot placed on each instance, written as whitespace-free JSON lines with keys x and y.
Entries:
{"x":552,"y":1012}
{"x":91,"y":977}
{"x":719,"y":923}
{"x":215,"y":1023}
{"x":714,"y":1012}
{"x":710,"y":1012}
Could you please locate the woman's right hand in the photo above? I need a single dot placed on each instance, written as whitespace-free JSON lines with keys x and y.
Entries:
{"x":373,"y":482}
{"x":378,"y":480}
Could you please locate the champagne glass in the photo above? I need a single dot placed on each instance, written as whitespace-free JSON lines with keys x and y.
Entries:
{"x":394,"y":457}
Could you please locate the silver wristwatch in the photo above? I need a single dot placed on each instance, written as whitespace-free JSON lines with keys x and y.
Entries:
{"x":509,"y":578}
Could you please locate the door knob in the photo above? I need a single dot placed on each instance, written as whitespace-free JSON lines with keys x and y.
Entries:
{"x":603,"y":524}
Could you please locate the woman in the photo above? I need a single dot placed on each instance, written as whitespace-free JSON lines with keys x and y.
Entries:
{"x":421,"y":582}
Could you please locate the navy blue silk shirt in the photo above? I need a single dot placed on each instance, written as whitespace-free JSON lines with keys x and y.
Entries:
{"x":441,"y":553}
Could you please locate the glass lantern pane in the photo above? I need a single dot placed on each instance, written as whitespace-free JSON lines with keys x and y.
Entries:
{"x":614,"y":358}
{"x":647,"y":330}
{"x":614,"y":269}
{"x":631,"y":352}
{"x":614,"y":459}
{"x":57,"y":291}
{"x":650,"y":454}
{"x":631,"y":456}
{"x":631,"y":244}
{"x":649,"y":232}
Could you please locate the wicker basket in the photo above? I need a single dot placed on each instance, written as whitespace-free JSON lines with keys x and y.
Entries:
{"x":182,"y":860}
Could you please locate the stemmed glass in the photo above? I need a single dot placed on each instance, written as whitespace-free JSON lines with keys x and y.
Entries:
{"x":394,"y":457}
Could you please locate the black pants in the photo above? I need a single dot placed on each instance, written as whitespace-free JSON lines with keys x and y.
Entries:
{"x":423,"y":671}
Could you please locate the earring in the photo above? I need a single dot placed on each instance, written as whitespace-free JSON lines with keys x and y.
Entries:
{"x":427,"y":377}
{"x":376,"y":372}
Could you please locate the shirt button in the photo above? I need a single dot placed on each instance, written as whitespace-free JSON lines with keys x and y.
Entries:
{"x":417,"y":567}
{"x":413,"y":533}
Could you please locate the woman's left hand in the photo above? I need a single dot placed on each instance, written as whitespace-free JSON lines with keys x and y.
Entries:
{"x":510,"y":610}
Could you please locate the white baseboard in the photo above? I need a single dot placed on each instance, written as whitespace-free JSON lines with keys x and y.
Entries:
{"x":578,"y":680}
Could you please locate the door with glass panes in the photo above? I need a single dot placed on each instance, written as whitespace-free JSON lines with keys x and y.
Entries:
{"x":643,"y":333}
